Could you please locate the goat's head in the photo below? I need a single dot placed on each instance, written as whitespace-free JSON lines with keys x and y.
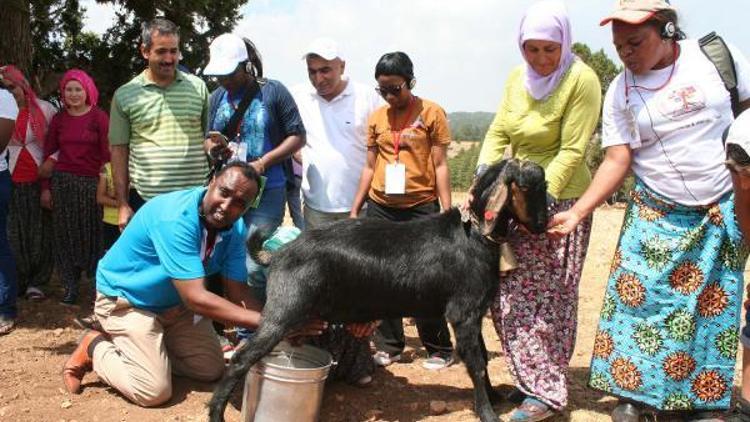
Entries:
{"x":515,"y":187}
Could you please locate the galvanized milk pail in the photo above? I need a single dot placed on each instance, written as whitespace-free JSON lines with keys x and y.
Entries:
{"x":287,"y":385}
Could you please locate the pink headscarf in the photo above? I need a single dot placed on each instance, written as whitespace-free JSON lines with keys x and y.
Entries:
{"x":36,"y":117}
{"x":547,"y":21}
{"x":92,"y":94}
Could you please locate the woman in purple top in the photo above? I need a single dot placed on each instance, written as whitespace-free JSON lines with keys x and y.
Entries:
{"x":78,"y":137}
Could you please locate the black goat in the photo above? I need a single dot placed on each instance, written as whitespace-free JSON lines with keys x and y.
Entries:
{"x":366,"y":269}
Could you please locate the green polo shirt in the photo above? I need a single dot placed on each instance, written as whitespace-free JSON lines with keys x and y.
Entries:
{"x":163,"y":128}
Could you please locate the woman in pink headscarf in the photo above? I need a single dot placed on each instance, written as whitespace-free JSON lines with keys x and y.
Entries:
{"x":29,"y":223}
{"x":549,"y":111}
{"x":75,"y":151}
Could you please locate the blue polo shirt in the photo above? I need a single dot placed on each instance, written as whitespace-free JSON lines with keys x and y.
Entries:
{"x":165,"y":241}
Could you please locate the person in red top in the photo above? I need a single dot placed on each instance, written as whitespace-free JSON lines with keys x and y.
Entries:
{"x":29,"y":223}
{"x":75,"y":151}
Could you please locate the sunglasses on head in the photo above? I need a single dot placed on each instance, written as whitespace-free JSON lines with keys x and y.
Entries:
{"x":393,"y":90}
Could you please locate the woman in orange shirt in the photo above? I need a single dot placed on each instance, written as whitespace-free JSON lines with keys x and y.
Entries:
{"x":405,"y":177}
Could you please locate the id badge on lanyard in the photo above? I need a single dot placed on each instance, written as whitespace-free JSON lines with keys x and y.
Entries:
{"x":395,"y":173}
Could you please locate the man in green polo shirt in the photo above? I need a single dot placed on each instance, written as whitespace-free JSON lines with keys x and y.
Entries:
{"x":156,"y":125}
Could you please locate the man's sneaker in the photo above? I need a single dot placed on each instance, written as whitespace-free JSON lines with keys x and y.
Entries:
{"x":382,"y":358}
{"x":438,"y":361}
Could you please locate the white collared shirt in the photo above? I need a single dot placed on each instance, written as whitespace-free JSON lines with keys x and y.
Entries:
{"x":336,"y":147}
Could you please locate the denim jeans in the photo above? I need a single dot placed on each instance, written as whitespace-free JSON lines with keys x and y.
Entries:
{"x":268,"y":216}
{"x":8,"y":281}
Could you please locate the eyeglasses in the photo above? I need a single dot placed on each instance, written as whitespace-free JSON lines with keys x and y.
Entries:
{"x":393,"y":90}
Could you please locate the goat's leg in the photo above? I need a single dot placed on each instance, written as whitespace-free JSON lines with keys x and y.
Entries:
{"x":494,"y":396}
{"x":468,"y":334}
{"x":262,"y":343}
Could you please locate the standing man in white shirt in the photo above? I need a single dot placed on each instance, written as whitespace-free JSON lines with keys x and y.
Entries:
{"x":8,"y":286}
{"x":335,"y":111}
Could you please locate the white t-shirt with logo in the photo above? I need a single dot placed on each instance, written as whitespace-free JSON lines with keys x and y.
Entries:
{"x":675,"y":131}
{"x":8,"y":110}
{"x":336,"y":147}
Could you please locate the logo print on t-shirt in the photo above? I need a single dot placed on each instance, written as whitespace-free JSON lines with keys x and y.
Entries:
{"x":681,"y":101}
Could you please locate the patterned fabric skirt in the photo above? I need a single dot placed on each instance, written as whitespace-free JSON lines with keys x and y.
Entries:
{"x":77,"y":221}
{"x":535,"y":310}
{"x":668,"y":330}
{"x":30,"y":236}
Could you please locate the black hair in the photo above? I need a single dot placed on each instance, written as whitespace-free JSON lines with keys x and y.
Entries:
{"x":396,"y":63}
{"x":253,"y":56}
{"x":247,"y":170}
{"x":161,"y":26}
{"x":662,"y":17}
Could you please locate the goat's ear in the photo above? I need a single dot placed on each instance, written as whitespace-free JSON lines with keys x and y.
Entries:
{"x":495,"y":202}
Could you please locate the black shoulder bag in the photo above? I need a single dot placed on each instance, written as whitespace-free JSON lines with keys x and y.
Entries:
{"x":230,"y":130}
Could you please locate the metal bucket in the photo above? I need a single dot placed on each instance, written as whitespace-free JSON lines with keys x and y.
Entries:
{"x":286,"y":386}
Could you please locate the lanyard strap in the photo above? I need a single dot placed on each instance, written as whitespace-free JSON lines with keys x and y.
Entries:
{"x":210,"y":243}
{"x":396,"y":134}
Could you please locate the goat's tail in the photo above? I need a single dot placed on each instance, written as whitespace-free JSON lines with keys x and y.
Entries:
{"x":255,"y":247}
{"x":261,"y":344}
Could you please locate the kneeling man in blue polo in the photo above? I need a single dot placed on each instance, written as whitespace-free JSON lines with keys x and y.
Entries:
{"x":151,"y":301}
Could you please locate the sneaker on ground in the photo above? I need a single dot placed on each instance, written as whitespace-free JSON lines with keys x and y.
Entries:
{"x":382,"y":358}
{"x":438,"y":361}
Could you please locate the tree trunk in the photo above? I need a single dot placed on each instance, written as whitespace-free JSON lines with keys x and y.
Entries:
{"x":15,"y":34}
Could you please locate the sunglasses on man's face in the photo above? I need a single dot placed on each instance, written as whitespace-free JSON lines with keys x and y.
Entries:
{"x":393,"y":90}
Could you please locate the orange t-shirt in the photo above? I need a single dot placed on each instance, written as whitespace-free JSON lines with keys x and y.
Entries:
{"x":428,"y":128}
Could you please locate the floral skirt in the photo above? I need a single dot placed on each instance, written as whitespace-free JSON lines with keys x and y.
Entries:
{"x":536,"y":307}
{"x":668,"y":330}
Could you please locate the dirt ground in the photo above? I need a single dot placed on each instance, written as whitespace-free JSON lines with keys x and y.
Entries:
{"x":31,"y":388}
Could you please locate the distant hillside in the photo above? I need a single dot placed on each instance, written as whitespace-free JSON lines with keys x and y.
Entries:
{"x":469,"y":126}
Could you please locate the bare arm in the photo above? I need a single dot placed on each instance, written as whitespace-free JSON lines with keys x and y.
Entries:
{"x":284,"y":150}
{"x":442,"y":175}
{"x":6,"y":131}
{"x":120,"y":155}
{"x":199,"y":300}
{"x":240,"y":294}
{"x":741,"y":184}
{"x":365,"y":179}
{"x":607,"y":180}
{"x":102,"y":198}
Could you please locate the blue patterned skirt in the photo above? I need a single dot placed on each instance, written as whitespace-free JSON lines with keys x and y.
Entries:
{"x":669,"y":325}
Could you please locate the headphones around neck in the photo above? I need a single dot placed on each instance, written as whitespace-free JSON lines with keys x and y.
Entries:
{"x":669,"y":31}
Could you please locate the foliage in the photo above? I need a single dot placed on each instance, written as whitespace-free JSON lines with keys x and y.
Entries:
{"x":462,"y":167}
{"x":606,"y":70}
{"x":59,"y":42}
{"x":469,"y":126}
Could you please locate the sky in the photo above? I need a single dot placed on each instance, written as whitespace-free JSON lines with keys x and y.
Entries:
{"x":462,"y":50}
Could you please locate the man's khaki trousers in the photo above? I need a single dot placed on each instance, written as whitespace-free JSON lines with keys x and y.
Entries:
{"x":147,"y":348}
